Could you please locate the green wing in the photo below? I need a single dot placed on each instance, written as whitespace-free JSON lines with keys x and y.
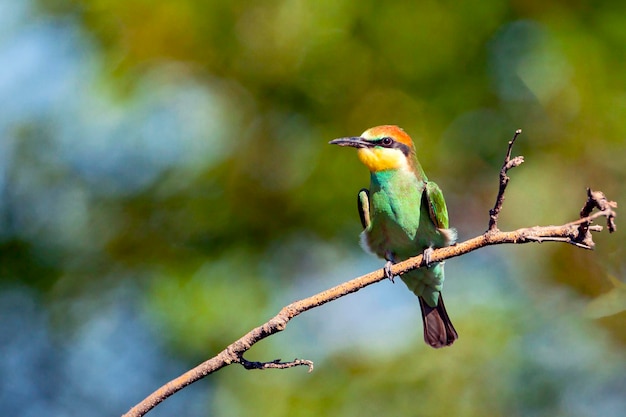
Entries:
{"x":436,"y":205}
{"x":363,"y":204}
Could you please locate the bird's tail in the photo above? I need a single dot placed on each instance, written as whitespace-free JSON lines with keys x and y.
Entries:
{"x":438,"y":329}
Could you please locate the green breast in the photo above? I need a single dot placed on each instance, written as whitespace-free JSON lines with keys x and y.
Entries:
{"x":399,"y":223}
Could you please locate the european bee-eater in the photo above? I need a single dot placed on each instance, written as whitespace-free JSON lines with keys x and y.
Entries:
{"x":403,"y":214}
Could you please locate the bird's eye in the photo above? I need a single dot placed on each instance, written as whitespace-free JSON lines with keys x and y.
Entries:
{"x":386,"y":141}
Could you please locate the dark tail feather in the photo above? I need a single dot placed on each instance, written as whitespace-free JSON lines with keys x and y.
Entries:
{"x":438,"y":329}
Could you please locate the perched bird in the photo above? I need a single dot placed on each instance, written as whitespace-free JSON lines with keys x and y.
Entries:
{"x":403,"y":214}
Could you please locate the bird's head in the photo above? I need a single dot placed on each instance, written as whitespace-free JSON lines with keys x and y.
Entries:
{"x":382,"y":148}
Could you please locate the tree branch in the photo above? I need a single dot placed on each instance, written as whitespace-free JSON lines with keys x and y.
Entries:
{"x":577,"y":233}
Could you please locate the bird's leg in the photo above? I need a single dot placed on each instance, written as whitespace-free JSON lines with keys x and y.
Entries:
{"x":427,"y":253}
{"x":387,"y":268}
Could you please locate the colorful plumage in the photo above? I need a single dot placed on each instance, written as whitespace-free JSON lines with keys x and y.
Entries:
{"x":403,"y":214}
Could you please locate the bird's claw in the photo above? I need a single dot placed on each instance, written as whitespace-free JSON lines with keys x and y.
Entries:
{"x":387,"y":269}
{"x":427,"y":253}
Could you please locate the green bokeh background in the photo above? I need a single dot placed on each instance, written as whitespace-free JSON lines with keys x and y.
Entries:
{"x":166,"y":185}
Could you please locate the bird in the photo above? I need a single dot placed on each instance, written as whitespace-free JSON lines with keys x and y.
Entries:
{"x":404,"y":214}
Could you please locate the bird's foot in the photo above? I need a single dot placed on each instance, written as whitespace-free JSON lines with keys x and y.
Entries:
{"x":388,"y":274}
{"x":427,"y":253}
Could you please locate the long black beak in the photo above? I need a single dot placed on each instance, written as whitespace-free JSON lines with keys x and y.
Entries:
{"x":355,"y":142}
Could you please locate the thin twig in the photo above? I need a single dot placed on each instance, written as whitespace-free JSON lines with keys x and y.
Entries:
{"x":276,"y":364}
{"x":504,"y":180}
{"x":597,"y":199}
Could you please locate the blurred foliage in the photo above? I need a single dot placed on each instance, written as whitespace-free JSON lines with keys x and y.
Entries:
{"x":164,"y":173}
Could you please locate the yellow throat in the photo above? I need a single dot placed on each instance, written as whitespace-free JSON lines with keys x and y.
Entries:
{"x":381,"y":159}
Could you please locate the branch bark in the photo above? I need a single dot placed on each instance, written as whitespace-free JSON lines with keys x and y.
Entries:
{"x":577,"y":233}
